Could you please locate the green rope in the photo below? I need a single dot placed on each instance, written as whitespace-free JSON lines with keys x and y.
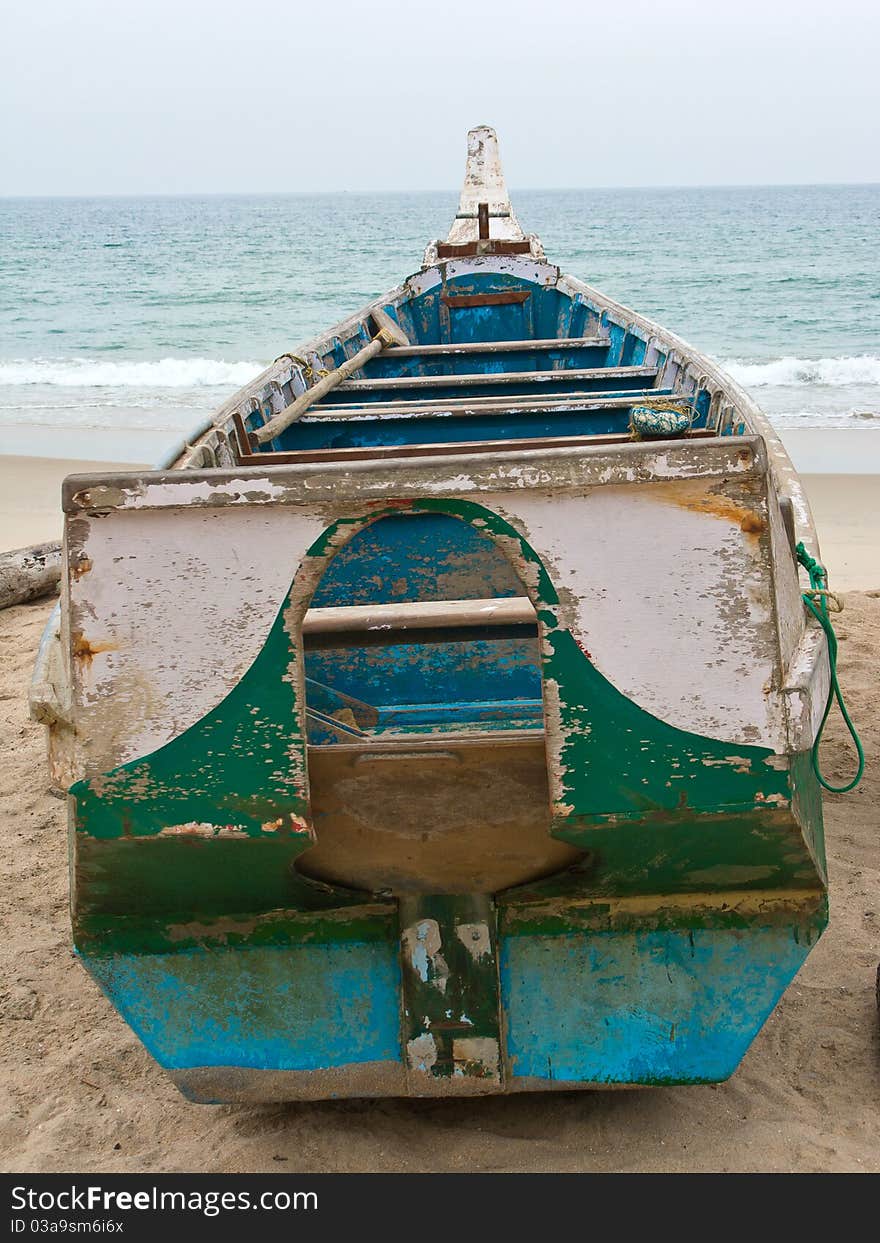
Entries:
{"x":816,"y":601}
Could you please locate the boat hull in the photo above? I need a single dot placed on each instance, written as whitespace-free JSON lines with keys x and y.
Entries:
{"x":630,"y":996}
{"x":687,"y":886}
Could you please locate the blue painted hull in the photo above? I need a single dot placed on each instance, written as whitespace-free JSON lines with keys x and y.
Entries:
{"x":592,"y":1009}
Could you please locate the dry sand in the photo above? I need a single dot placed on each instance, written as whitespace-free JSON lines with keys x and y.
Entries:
{"x":846,"y":509}
{"x":84,"y":1096}
{"x":30,"y":496}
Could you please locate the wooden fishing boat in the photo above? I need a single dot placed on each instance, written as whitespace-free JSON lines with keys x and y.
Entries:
{"x":438,"y":719}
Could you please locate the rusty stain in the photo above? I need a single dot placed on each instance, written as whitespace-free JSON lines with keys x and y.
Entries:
{"x":694,"y":496}
{"x":85,"y":650}
{"x":392,"y":503}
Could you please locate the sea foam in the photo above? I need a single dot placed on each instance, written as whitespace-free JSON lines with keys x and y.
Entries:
{"x":158,"y":374}
{"x":790,"y":372}
{"x":217,"y":373}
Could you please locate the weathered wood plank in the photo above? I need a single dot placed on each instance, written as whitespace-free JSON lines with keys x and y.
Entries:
{"x":502,"y":347}
{"x":420,"y":615}
{"x":491,"y":405}
{"x":29,"y":573}
{"x":508,"y":298}
{"x":444,"y":448}
{"x":481,"y":378}
{"x":451,"y":1002}
{"x":509,"y":471}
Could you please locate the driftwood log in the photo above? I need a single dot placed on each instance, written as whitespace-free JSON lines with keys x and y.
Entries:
{"x":29,"y":573}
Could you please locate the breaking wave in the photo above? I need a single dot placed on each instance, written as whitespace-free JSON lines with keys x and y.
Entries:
{"x":161,"y":373}
{"x":217,"y":373}
{"x":791,"y":372}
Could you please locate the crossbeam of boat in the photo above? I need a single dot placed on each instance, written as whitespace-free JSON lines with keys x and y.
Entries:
{"x":555,"y":344}
{"x":448,"y":448}
{"x":482,"y":379}
{"x":612,"y":399}
{"x":422,"y":621}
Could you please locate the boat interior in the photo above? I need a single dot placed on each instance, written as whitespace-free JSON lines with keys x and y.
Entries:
{"x":425,"y":718}
{"x":495,"y":362}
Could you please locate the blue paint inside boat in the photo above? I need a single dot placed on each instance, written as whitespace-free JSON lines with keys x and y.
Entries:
{"x":345,"y":419}
{"x":416,"y":557}
{"x":542,"y":315}
{"x":500,"y":386}
{"x":565,"y":357}
{"x":327,"y":433}
{"x":491,"y":682}
{"x":494,"y":682}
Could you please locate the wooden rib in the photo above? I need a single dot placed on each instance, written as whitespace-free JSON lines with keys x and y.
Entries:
{"x":507,"y":298}
{"x":490,"y":246}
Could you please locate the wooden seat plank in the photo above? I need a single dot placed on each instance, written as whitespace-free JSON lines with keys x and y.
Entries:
{"x":501,"y":347}
{"x":493,"y":378}
{"x":612,"y":399}
{"x":420,"y":615}
{"x":364,"y":453}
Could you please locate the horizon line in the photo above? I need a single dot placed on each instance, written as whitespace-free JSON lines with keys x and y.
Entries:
{"x":266,"y":193}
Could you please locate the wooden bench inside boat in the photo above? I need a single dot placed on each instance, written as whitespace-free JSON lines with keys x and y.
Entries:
{"x":432,"y":431}
{"x":555,"y":353}
{"x":473,"y":409}
{"x":478,"y":393}
{"x":488,"y":383}
{"x":446,"y":448}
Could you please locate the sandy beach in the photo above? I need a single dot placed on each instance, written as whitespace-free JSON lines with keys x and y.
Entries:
{"x":30,"y":496}
{"x":82,"y":1093}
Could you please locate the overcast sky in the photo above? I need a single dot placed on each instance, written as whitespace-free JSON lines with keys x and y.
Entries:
{"x":184,"y":96}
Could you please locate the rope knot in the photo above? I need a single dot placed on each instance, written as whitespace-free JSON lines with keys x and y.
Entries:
{"x":818,"y":600}
{"x":817,"y":572}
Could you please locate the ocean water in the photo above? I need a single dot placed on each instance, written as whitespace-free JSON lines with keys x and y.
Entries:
{"x":124,"y":322}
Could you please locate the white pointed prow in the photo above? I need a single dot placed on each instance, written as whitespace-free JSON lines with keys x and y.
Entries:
{"x":484,"y":183}
{"x":484,"y":187}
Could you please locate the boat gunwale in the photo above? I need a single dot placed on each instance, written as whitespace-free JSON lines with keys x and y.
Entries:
{"x":631,"y":463}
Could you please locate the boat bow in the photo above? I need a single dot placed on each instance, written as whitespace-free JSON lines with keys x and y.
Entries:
{"x":485,"y":223}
